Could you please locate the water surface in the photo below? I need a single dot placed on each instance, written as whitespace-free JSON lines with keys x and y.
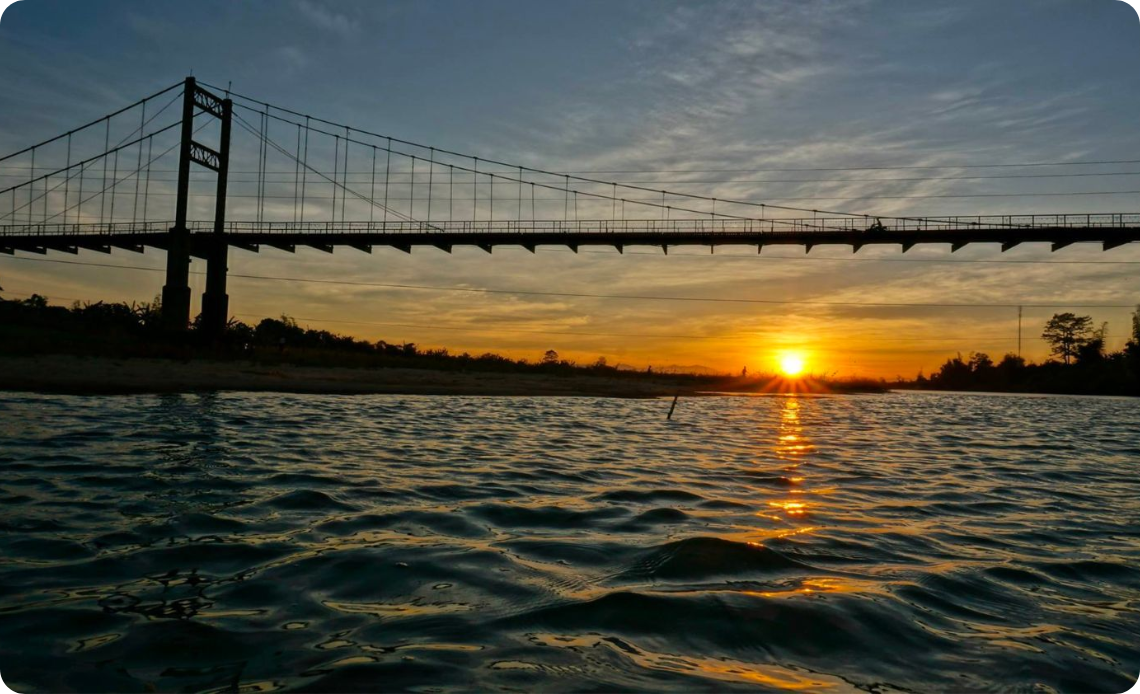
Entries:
{"x":267,"y":542}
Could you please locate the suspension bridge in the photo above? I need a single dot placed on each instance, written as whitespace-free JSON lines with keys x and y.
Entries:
{"x":102,"y":186}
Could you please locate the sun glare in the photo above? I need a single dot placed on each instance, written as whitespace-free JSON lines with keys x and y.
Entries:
{"x":792,"y":364}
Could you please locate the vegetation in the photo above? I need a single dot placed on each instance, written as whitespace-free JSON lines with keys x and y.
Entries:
{"x":1085,"y":367}
{"x":31,"y":327}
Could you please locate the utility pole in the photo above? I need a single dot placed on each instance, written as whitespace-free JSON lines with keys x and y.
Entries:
{"x":1019,"y":313}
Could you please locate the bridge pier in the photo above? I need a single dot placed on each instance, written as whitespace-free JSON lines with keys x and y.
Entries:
{"x":176,"y":291}
{"x":215,"y":301}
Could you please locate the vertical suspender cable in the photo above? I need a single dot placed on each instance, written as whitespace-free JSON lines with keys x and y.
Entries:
{"x":114,"y":187}
{"x":344,"y":193}
{"x":79,"y":202}
{"x":450,"y":191}
{"x":336,"y":169}
{"x":431,"y":178}
{"x":264,"y":165}
{"x":146,"y":186}
{"x":474,"y":188}
{"x":412,"y":194}
{"x":492,"y":176}
{"x":106,"y":146}
{"x":566,"y":199}
{"x":296,"y":173}
{"x":32,"y":184}
{"x":532,"y":215}
{"x":138,"y":166}
{"x":260,"y":146}
{"x":387,"y":175}
{"x":372,"y":193}
{"x":519,"y":216}
{"x":67,"y":180}
{"x":304,"y":169}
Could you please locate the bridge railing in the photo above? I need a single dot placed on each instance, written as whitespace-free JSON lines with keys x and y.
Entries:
{"x":657,"y":226}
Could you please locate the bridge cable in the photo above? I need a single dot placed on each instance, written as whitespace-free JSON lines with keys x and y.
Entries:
{"x":114,"y":183}
{"x":591,"y":180}
{"x":372,"y":189}
{"x":297,"y":175}
{"x":336,"y":170}
{"x":146,"y":186}
{"x":85,"y":163}
{"x":249,"y":128}
{"x":66,"y":186}
{"x":304,"y":169}
{"x":343,"y":198}
{"x":38,"y":145}
{"x":138,"y":167}
{"x":431,"y":175}
{"x":387,"y":172}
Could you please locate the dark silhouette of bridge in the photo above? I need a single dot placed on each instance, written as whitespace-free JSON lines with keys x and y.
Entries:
{"x":56,"y":210}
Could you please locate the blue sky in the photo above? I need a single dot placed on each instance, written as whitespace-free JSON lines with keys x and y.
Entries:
{"x":649,"y":86}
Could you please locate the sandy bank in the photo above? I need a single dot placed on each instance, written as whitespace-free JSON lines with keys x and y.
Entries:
{"x":95,"y":375}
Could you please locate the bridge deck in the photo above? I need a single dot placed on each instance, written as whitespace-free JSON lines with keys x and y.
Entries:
{"x":1110,"y":230}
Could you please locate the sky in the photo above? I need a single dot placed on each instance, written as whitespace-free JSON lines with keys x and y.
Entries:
{"x":743,"y":100}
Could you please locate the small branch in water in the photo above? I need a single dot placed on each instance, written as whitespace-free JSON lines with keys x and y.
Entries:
{"x":672,"y":407}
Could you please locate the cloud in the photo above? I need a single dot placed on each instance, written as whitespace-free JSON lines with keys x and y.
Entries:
{"x":327,"y":19}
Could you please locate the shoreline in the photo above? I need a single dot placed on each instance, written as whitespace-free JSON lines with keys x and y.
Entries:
{"x":74,"y":375}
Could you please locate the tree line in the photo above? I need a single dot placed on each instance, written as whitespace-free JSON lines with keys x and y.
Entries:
{"x":33,"y":327}
{"x":1081,"y":364}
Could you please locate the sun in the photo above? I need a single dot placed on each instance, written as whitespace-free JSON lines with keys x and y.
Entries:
{"x":792,"y":364}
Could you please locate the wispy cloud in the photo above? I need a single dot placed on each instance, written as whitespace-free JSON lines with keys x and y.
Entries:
{"x":323,"y":16}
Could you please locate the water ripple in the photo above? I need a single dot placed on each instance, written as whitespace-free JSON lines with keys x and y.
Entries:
{"x":263,"y":542}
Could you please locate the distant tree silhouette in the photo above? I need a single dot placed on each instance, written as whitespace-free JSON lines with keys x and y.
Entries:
{"x":551,"y":357}
{"x":1066,"y":333}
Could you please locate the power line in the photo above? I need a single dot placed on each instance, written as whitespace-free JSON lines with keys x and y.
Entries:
{"x":681,"y":209}
{"x":634,"y":297}
{"x":364,"y":177}
{"x":500,"y":327}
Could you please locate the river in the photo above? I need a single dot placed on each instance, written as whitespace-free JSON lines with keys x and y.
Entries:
{"x":261,"y":542}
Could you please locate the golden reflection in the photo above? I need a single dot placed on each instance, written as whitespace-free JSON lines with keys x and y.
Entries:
{"x":769,"y":675}
{"x":792,"y":508}
{"x":820,"y":585}
{"x":792,"y":446}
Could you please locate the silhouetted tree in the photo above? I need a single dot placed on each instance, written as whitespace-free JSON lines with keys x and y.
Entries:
{"x":551,"y":357}
{"x":1066,"y":333}
{"x":1092,"y":351}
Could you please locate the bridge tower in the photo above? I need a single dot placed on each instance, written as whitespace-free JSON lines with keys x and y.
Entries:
{"x":180,"y":244}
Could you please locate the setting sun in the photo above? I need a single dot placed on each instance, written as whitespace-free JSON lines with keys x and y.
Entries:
{"x":792,"y":364}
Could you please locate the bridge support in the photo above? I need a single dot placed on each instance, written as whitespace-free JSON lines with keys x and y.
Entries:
{"x":215,"y":301}
{"x":176,"y":292}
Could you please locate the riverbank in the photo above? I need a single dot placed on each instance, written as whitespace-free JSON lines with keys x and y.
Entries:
{"x":105,"y":375}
